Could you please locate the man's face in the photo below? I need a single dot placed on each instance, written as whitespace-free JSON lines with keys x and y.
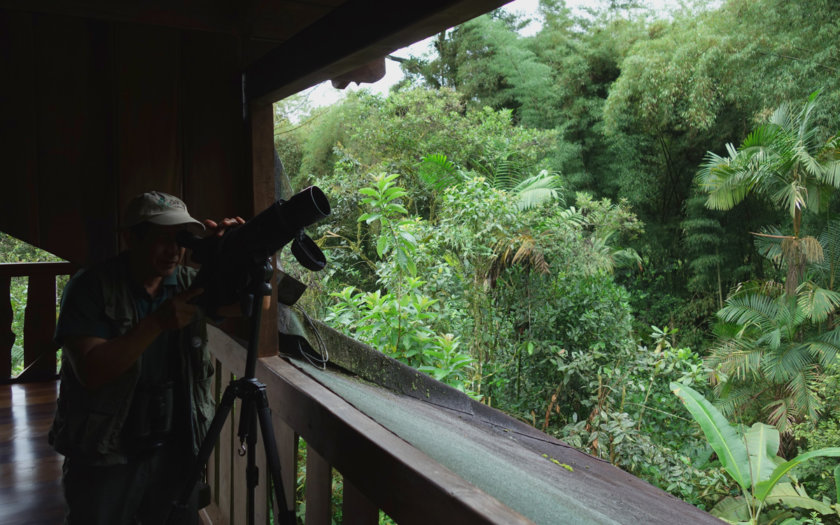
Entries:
{"x":157,"y":253}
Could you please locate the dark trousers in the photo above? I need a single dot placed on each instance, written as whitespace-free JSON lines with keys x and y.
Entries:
{"x":139,"y":492}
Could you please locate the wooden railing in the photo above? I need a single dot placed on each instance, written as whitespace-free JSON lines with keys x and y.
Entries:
{"x":378,"y":469}
{"x":39,"y":350}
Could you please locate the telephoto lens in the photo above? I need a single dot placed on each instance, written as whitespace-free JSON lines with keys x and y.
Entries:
{"x":229,"y":263}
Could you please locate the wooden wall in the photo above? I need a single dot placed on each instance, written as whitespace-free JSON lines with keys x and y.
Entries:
{"x":94,"y":112}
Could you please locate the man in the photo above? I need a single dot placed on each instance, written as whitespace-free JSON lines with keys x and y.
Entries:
{"x":134,"y":402}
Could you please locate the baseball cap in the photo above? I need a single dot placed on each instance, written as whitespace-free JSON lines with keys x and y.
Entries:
{"x":157,"y":207}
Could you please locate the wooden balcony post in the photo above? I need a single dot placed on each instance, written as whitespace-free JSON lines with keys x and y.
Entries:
{"x":356,"y":507}
{"x":38,"y":328}
{"x":318,"y":489}
{"x":7,"y":336}
{"x":287,"y":449}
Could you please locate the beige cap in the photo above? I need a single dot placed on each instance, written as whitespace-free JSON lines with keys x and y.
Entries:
{"x":157,"y":208}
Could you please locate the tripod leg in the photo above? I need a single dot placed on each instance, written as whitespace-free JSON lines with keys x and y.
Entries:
{"x":180,"y":505}
{"x":252,"y":473}
{"x":285,"y":515}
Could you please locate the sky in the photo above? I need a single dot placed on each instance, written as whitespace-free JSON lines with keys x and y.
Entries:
{"x":324,"y":94}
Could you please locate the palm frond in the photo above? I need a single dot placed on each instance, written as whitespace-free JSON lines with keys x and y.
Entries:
{"x":735,"y":397}
{"x":537,"y":190}
{"x":725,"y":182}
{"x":781,"y":365}
{"x":438,"y":172}
{"x":817,"y":303}
{"x":803,"y":393}
{"x":751,"y":309}
{"x":520,"y":250}
{"x":737,"y":359}
{"x":504,"y":175}
{"x":825,"y":347}
{"x":790,"y":196}
{"x":769,"y":243}
{"x":783,"y":117}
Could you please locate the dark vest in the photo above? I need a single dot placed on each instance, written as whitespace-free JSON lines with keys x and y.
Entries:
{"x":88,"y":423}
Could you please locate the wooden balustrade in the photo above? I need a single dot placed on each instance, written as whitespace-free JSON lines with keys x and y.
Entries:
{"x":39,"y":352}
{"x":378,"y":469}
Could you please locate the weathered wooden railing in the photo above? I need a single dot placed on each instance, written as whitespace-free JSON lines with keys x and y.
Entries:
{"x":378,"y":469}
{"x":39,"y":350}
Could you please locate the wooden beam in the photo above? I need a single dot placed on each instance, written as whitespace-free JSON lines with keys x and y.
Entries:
{"x":352,"y":35}
{"x":37,"y":268}
{"x":262,"y":176}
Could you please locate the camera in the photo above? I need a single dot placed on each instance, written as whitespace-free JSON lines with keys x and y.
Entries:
{"x":235,"y":263}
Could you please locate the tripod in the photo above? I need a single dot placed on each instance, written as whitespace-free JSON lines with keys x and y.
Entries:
{"x":254,"y":409}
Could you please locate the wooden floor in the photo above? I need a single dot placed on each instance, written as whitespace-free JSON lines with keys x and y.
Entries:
{"x":30,"y":471}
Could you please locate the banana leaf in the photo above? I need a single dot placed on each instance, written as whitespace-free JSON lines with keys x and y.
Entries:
{"x":796,"y":497}
{"x":732,"y":509}
{"x":762,"y":443}
{"x":722,"y":436}
{"x":764,"y":487}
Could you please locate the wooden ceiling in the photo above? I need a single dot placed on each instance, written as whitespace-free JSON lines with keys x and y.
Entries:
{"x":104,"y":99}
{"x":287,"y":45}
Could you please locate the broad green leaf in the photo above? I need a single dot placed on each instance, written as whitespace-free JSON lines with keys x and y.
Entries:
{"x":381,"y":244}
{"x":790,"y":496}
{"x":764,"y":487}
{"x":411,"y":266}
{"x":722,"y":436}
{"x":762,"y":443}
{"x":837,"y":485}
{"x":397,"y":208}
{"x":732,"y":509}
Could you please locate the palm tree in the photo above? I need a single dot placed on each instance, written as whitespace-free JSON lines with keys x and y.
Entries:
{"x":774,"y":341}
{"x":769,"y":356}
{"x":786,"y":162}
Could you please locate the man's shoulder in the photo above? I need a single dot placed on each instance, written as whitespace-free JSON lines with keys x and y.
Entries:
{"x":92,"y":276}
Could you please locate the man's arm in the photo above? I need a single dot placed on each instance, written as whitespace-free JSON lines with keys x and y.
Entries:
{"x":97,"y":361}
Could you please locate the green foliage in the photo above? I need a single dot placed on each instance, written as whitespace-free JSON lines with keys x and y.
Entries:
{"x":770,"y":354}
{"x":750,"y":458}
{"x":773,"y":346}
{"x":399,"y":327}
{"x":512,"y":258}
{"x":394,"y":236}
{"x":784,"y":160}
{"x":821,"y":476}
{"x":632,"y":421}
{"x":399,"y":323}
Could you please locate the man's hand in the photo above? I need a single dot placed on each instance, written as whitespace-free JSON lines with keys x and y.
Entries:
{"x":97,"y":361}
{"x":177,"y":312}
{"x":218,"y":228}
